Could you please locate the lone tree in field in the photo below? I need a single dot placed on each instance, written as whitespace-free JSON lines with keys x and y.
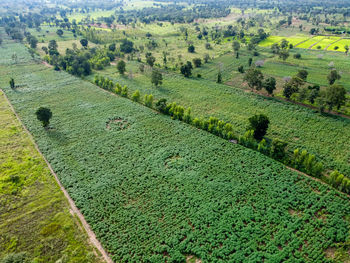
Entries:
{"x":84,"y":42}
{"x":12,"y":83}
{"x":59,"y":32}
{"x":302,"y":73}
{"x":197,"y":62}
{"x":44,"y":115}
{"x":156,"y":78}
{"x":333,"y":76}
{"x":254,"y":78}
{"x":259,"y":124}
{"x":236,"y":46}
{"x":219,"y":79}
{"x":270,"y":85}
{"x":191,"y":48}
{"x":186,"y":69}
{"x":121,"y":67}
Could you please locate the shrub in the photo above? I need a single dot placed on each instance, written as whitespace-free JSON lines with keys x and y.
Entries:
{"x":149,"y":100}
{"x":44,"y":115}
{"x":136,"y":96}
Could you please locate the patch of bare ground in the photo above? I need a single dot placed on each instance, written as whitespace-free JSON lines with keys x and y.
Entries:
{"x":47,"y":64}
{"x":193,"y":259}
{"x":330,"y":252}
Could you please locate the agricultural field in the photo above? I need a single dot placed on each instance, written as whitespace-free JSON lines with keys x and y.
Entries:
{"x":305,"y":128}
{"x":309,"y":42}
{"x":34,"y":214}
{"x":157,"y":190}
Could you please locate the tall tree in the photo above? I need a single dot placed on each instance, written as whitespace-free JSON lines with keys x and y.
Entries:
{"x":254,"y":78}
{"x":156,"y":78}
{"x":121,"y":66}
{"x":259,"y":124}
{"x":333,"y":76}
{"x":44,"y":115}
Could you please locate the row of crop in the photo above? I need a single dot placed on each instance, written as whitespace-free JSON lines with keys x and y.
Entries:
{"x":276,"y":149}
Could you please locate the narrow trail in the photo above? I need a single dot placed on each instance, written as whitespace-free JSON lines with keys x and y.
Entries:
{"x":92,"y":237}
{"x":314,"y":44}
{"x":333,"y":43}
{"x":303,"y":41}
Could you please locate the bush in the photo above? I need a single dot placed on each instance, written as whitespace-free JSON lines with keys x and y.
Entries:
{"x":44,"y":115}
{"x":15,"y":258}
{"x":149,"y":100}
{"x":136,"y":96}
{"x":297,"y":56}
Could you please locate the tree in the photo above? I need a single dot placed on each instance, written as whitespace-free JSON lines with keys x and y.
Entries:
{"x":206,"y":58}
{"x":162,"y":106}
{"x":284,"y":44}
{"x":297,"y":56}
{"x":186,"y":69}
{"x":33,"y":41}
{"x":254,"y":78}
{"x":12,"y":83}
{"x":126,"y":46}
{"x":156,"y":78}
{"x":283,"y":54}
{"x":219,"y":79}
{"x":111,"y":47}
{"x":292,"y":86}
{"x":335,"y":95}
{"x":259,"y":124}
{"x":136,"y":96}
{"x":197,"y":62}
{"x":275,"y":48}
{"x":150,"y":59}
{"x":44,"y":115}
{"x":250,"y":61}
{"x":59,"y":32}
{"x":53,"y":47}
{"x":270,"y":85}
{"x":333,"y":76}
{"x":84,"y":42}
{"x":236,"y":46}
{"x":278,"y":149}
{"x":346,"y":47}
{"x":121,"y":67}
{"x":302,"y":73}
{"x":191,"y":48}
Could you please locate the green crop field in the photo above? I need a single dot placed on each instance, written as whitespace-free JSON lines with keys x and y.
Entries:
{"x":157,"y":190}
{"x":34,"y":214}
{"x":301,"y":127}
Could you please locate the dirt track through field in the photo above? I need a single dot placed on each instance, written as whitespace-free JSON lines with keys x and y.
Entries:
{"x":92,"y":237}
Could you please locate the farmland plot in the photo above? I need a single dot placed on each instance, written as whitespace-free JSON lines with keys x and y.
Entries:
{"x":157,"y":190}
{"x":34,"y":214}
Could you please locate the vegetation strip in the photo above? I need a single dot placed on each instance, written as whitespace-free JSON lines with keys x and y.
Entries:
{"x":74,"y":209}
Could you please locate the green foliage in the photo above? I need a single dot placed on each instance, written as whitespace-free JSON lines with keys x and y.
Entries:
{"x":124,"y":91}
{"x":339,"y":181}
{"x":191,"y":48}
{"x":269,"y":85}
{"x":156,"y":77}
{"x":254,"y":78}
{"x":335,"y":95}
{"x":121,"y":66}
{"x":333,"y":76}
{"x":259,"y":124}
{"x":136,"y":96}
{"x":12,"y":83}
{"x":221,"y":179}
{"x":126,"y":46}
{"x":149,"y":100}
{"x":307,"y":163}
{"x":44,"y":115}
{"x":186,"y":69}
{"x":84,"y":42}
{"x":278,"y":149}
{"x":15,"y":258}
{"x":248,"y":140}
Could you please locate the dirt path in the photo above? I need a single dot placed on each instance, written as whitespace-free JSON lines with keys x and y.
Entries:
{"x":303,"y":41}
{"x":74,"y":209}
{"x":310,"y":47}
{"x":332,"y":43}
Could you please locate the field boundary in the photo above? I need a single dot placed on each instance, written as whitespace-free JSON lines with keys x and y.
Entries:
{"x":326,"y":48}
{"x":74,"y":209}
{"x":303,"y":41}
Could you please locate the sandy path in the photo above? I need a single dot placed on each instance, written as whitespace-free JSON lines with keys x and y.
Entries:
{"x":74,"y":209}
